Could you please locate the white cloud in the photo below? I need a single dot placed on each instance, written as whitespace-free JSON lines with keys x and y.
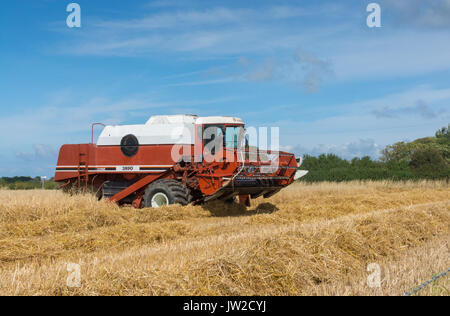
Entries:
{"x":262,"y":72}
{"x":40,"y":152}
{"x":204,"y":17}
{"x":219,"y":31}
{"x":24,"y":156}
{"x":202,"y":82}
{"x":359,"y":148}
{"x":420,"y":108}
{"x":305,"y":70}
{"x":424,"y":100}
{"x":315,"y":70}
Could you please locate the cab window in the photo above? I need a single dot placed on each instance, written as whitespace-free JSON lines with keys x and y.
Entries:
{"x":213,"y":137}
{"x":232,"y":135}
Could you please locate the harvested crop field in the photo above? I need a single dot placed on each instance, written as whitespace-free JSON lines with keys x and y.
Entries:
{"x":307,"y":240}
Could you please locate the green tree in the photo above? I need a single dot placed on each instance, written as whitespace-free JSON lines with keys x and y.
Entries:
{"x":444,"y":133}
{"x":398,"y":151}
{"x":429,"y":163}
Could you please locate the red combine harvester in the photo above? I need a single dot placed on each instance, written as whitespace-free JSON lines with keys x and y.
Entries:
{"x":175,"y":159}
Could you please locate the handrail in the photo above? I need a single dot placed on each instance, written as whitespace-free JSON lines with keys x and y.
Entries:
{"x":92,"y":130}
{"x":264,"y":151}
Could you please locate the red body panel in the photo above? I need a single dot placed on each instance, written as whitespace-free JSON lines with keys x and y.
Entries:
{"x":97,"y":157}
{"x":89,"y":165}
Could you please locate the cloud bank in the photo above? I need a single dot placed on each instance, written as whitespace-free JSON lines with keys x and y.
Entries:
{"x":359,"y":148}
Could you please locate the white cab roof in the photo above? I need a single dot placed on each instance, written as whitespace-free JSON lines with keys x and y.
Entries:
{"x":219,"y":120}
{"x":162,"y":129}
{"x":193,"y":119}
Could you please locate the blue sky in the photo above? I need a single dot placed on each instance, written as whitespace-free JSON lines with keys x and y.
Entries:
{"x":313,"y":68}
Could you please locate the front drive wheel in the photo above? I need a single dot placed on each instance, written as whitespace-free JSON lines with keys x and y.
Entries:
{"x":165,"y":192}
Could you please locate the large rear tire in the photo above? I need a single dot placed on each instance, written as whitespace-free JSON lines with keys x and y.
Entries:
{"x":165,"y":192}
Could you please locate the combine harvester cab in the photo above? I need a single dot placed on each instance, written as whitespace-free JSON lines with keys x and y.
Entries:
{"x":175,"y":159}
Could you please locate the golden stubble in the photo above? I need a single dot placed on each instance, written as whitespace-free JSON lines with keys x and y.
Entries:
{"x":307,"y":240}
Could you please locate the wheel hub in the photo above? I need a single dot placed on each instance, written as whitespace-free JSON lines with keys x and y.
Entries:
{"x":160,"y":199}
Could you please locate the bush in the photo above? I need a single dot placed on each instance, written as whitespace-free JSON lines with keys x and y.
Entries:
{"x":333,"y":168}
{"x":26,"y":183}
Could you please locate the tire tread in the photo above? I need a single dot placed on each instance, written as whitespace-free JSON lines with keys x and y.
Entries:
{"x":179,"y":192}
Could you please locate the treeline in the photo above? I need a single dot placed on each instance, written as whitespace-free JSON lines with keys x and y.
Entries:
{"x":425,"y":158}
{"x":26,"y":183}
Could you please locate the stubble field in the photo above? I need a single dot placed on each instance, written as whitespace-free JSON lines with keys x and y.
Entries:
{"x":307,"y":240}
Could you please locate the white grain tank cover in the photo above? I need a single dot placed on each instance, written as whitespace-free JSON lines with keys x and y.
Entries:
{"x":159,"y":130}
